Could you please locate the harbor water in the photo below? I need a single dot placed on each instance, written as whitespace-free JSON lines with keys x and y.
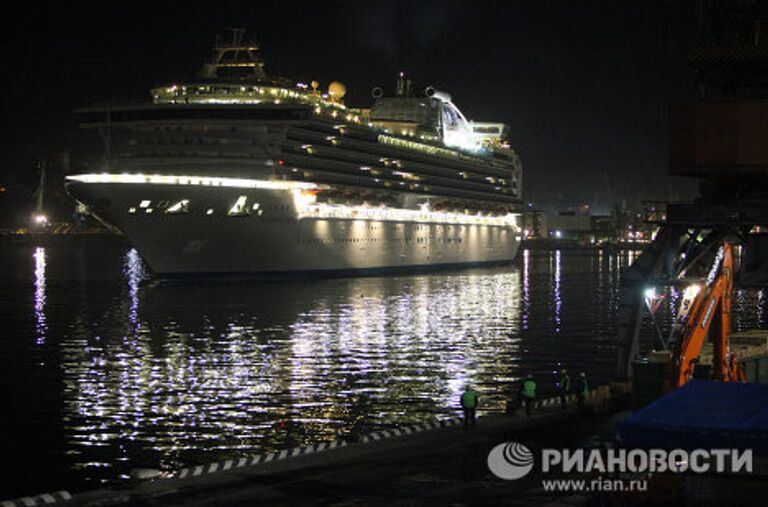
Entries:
{"x":104,"y":370}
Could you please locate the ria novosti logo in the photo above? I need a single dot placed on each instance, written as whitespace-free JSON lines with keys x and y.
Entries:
{"x":510,"y":461}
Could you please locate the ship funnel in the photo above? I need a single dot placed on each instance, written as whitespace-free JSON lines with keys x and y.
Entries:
{"x":377,"y":92}
{"x":430,"y":91}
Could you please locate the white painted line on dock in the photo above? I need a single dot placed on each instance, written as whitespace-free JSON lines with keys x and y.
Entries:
{"x":41,"y":499}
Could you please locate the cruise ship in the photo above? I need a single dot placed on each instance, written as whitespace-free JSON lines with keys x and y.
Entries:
{"x":237,"y":172}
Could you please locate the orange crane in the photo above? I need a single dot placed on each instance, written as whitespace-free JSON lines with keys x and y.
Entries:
{"x":702,"y":310}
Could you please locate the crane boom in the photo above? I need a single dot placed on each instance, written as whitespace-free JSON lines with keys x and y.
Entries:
{"x":710,"y":310}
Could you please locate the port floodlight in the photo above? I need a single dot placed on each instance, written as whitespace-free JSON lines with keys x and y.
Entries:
{"x":693,"y":290}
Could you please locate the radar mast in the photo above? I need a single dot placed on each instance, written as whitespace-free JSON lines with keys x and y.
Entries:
{"x":236,"y":57}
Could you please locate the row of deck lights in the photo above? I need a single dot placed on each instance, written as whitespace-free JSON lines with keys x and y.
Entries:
{"x":324,"y":210}
{"x":323,"y":106}
{"x":161,"y":179}
{"x":304,"y":194}
{"x":254,"y":95}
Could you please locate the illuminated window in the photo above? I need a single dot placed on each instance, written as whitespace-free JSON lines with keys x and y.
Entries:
{"x":179,"y":207}
{"x":131,"y":210}
{"x":145,"y":204}
{"x":240,"y":208}
{"x":209,"y":211}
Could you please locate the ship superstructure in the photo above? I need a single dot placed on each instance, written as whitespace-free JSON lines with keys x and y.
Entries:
{"x":236,"y":171}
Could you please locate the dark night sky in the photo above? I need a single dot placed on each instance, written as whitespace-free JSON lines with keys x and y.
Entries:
{"x":585,"y":85}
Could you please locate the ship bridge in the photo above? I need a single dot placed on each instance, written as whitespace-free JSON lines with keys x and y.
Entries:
{"x":433,"y":116}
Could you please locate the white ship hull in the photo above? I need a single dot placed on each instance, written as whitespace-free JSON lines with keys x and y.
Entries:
{"x":275,"y":238}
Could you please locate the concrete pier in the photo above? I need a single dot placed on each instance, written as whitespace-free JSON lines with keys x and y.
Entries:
{"x":437,"y":462}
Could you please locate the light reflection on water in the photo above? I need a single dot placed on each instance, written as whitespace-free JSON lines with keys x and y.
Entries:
{"x":526,"y":288}
{"x":172,"y":375}
{"x":367,"y":357}
{"x":134,"y":272}
{"x":196,"y":372}
{"x":557,"y":296}
{"x":40,"y":325}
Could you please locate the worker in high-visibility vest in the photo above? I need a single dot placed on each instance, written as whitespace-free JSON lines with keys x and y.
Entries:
{"x":563,"y":387}
{"x":529,"y":393}
{"x":583,"y":390}
{"x":469,"y":401}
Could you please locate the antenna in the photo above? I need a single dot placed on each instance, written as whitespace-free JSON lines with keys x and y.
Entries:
{"x":41,"y":187}
{"x":400,"y":84}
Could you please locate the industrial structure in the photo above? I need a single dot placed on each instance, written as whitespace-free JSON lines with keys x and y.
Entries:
{"x":718,"y":139}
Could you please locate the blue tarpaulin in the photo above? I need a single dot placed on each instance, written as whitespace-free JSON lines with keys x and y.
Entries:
{"x":702,"y":414}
